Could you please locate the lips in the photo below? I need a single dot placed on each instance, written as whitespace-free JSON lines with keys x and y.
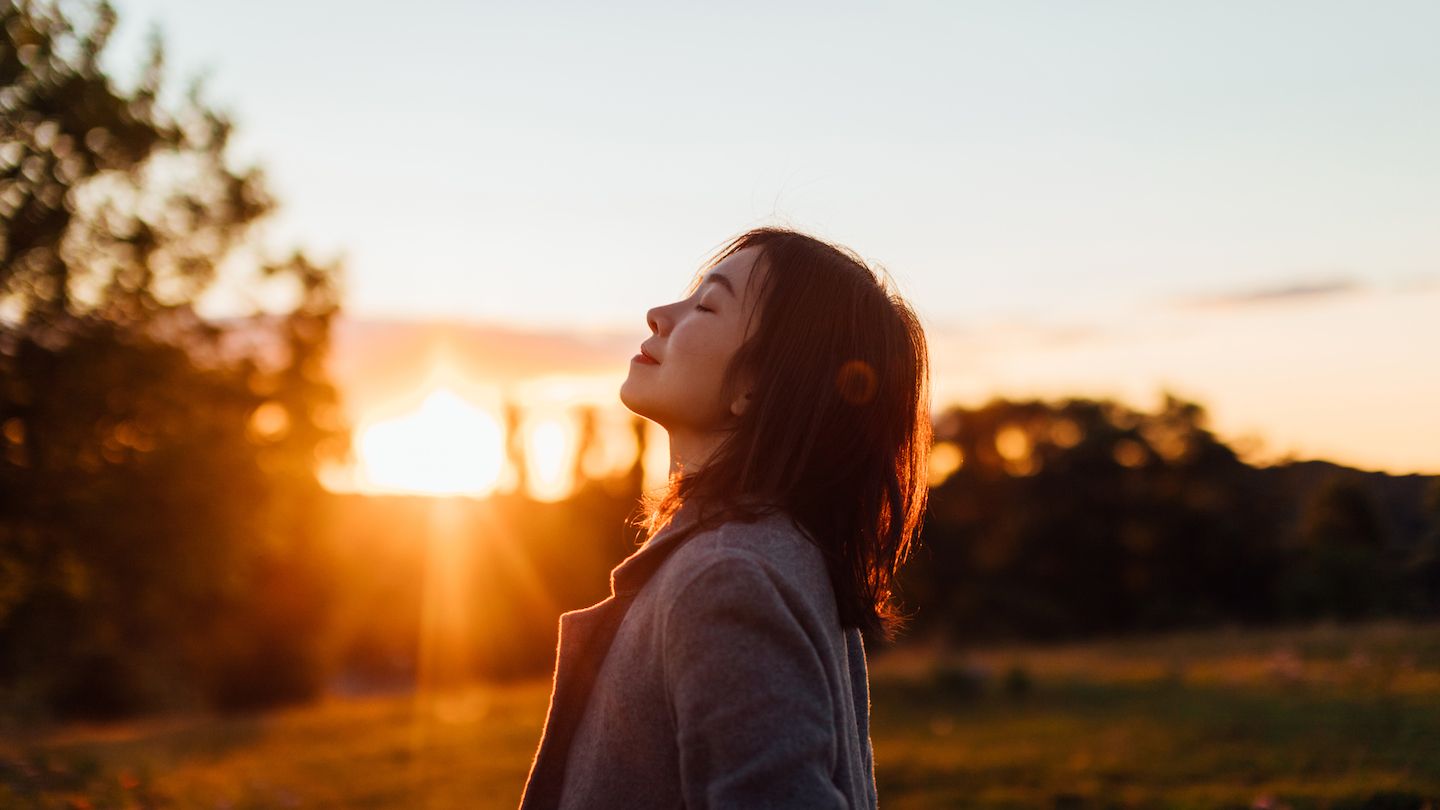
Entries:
{"x":644,"y":357}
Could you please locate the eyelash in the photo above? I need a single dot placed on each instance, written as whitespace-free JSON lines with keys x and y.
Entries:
{"x":703,"y":308}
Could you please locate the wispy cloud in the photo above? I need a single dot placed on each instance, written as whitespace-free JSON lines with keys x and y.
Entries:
{"x":1304,"y":290}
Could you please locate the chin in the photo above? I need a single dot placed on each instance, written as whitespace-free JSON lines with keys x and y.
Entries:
{"x":645,"y":407}
{"x":631,"y":401}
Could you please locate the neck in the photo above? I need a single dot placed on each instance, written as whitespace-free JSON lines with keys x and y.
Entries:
{"x":691,"y":451}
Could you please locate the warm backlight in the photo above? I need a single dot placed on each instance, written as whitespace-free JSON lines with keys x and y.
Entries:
{"x":446,"y":446}
{"x":548,"y":451}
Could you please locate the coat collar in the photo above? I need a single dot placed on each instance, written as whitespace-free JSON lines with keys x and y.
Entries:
{"x":635,"y":570}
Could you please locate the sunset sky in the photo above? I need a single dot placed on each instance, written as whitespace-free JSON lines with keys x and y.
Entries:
{"x":1233,"y":201}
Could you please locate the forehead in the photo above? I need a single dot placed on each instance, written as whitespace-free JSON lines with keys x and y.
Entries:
{"x":741,"y":273}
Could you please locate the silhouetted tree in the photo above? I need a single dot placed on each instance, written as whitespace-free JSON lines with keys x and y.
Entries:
{"x":636,"y":477}
{"x":515,"y":447}
{"x":586,"y":442}
{"x":1083,"y":516}
{"x":1422,"y":568}
{"x":1337,"y":570}
{"x":157,"y":486}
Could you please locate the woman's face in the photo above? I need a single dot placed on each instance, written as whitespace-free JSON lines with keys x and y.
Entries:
{"x":678,"y":385}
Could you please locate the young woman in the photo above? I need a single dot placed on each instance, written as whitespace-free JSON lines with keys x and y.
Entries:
{"x":727,"y":668}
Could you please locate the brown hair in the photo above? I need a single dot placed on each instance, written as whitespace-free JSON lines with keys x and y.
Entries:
{"x":838,"y":431}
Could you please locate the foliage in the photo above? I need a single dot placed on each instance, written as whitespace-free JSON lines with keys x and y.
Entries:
{"x":1422,"y":568}
{"x":1338,"y":567}
{"x":1086,"y":516}
{"x":1081,"y":517}
{"x":156,"y":466}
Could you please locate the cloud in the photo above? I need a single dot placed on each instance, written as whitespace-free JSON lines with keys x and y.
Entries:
{"x":1298,"y":291}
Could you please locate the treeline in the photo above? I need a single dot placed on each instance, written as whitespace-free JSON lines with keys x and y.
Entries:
{"x":1079,"y":517}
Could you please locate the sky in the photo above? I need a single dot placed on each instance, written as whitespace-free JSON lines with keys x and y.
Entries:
{"x":1232,"y":201}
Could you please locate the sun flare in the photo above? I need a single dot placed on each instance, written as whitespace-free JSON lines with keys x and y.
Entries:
{"x":446,"y":446}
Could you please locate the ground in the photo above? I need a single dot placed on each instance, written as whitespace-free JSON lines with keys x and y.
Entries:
{"x":1322,"y":716}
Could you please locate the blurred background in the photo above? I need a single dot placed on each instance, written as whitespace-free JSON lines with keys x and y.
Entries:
{"x":313,"y":318}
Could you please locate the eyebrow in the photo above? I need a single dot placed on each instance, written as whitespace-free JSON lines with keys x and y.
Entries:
{"x":721,"y":280}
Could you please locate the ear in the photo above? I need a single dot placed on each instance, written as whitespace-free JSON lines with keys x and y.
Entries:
{"x":740,"y":403}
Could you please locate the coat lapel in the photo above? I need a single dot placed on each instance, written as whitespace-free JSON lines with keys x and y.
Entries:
{"x":583,"y":641}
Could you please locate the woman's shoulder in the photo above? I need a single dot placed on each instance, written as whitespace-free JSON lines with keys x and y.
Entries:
{"x":775,"y":545}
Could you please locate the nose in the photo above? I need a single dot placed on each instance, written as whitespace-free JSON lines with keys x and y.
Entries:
{"x":654,"y":318}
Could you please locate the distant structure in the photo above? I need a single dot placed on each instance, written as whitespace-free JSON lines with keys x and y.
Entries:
{"x":515,"y":446}
{"x":635,"y":479}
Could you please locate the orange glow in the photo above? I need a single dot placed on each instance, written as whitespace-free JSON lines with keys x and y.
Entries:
{"x":945,"y":459}
{"x":1130,"y":453}
{"x":657,"y":456}
{"x":1013,"y":443}
{"x":446,"y":446}
{"x":549,"y":452}
{"x":269,"y":422}
{"x":1066,"y":433}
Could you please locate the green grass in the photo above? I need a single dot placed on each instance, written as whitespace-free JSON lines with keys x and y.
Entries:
{"x":1150,"y":745}
{"x":468,"y":749}
{"x":1320,"y":717}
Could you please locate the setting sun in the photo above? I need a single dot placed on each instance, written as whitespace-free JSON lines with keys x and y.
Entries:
{"x":446,"y":446}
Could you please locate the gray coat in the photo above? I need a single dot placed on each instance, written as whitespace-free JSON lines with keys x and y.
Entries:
{"x":730,"y":682}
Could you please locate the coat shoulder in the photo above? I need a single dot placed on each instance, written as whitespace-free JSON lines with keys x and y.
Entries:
{"x":775,"y":542}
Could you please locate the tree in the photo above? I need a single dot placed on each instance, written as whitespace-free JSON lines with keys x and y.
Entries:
{"x":1422,"y":568}
{"x":157,"y":487}
{"x":1087,"y":516}
{"x":1339,"y":566}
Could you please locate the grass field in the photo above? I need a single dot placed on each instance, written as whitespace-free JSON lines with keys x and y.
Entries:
{"x":1326,"y":716}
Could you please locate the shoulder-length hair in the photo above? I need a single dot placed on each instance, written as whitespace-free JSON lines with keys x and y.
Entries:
{"x":837,"y":432}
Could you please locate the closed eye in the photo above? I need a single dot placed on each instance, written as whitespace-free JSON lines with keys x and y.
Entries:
{"x":703,"y":308}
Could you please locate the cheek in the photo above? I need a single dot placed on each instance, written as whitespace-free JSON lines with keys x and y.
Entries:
{"x":685,"y":390}
{"x":703,"y":352}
